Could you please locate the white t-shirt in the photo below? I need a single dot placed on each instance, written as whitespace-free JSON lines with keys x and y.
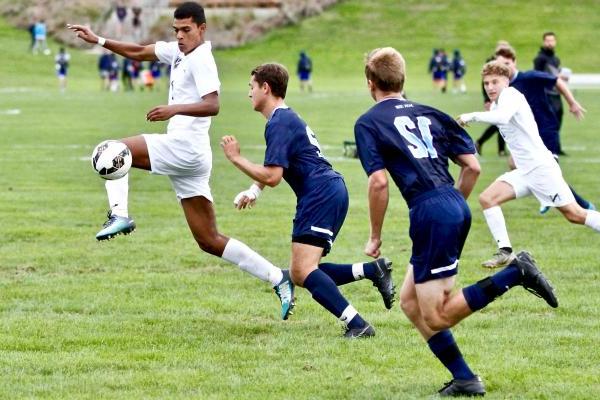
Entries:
{"x":513,"y":117}
{"x":192,"y":76}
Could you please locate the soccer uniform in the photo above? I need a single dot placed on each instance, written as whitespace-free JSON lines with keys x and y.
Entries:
{"x":322,"y":197}
{"x":184,"y":153}
{"x":413,"y":142}
{"x":537,"y":172}
{"x":62,"y":63}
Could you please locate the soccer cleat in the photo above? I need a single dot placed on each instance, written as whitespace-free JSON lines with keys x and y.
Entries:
{"x":500,"y":259}
{"x":285,"y":291}
{"x":533,"y":280}
{"x":544,"y":209}
{"x":115,"y":225}
{"x":362,"y":332}
{"x":463,"y":387}
{"x":383,"y":281}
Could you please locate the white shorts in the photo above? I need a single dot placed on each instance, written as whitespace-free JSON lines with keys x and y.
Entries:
{"x":545,"y":182}
{"x":188,"y":169}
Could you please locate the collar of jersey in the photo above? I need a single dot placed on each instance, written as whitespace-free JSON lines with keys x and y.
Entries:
{"x":283,"y":107}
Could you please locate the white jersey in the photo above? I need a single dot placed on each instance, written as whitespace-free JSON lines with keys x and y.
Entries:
{"x":192,"y":76}
{"x":513,"y":117}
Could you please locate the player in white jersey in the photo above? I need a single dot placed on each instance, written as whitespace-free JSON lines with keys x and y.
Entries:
{"x":184,"y":153}
{"x":537,"y":172}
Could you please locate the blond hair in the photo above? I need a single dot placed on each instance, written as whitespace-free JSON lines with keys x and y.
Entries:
{"x":495,"y":68}
{"x":385,"y":67}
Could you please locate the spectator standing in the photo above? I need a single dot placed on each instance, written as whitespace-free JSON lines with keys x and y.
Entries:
{"x":126,"y":78}
{"x":459,"y":68}
{"x":121,"y":12}
{"x":304,"y":71}
{"x":156,"y":73}
{"x":547,"y":61}
{"x":136,"y":21}
{"x":31,"y":30}
{"x":62,"y":65}
{"x":39,"y":32}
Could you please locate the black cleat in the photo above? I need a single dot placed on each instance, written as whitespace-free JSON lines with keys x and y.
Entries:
{"x":533,"y":280}
{"x":362,"y":332}
{"x":383,"y":281}
{"x":463,"y":387}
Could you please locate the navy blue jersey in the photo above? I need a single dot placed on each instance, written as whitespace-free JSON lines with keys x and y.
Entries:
{"x":534,"y":86}
{"x":291,"y":144}
{"x":413,"y":142}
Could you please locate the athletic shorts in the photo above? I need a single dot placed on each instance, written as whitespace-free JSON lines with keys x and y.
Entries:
{"x":439,"y":226}
{"x":304,"y":75}
{"x":320,"y":215}
{"x":545,"y":182}
{"x":188,"y":169}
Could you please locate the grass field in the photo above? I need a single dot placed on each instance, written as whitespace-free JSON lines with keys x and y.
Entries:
{"x":150,"y":316}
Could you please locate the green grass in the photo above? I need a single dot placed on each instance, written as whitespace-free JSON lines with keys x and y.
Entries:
{"x":150,"y":316}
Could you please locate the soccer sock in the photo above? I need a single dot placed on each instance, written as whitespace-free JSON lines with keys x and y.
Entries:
{"x":117,"y":191}
{"x":326,"y":293}
{"x":495,"y":221}
{"x":593,"y":220}
{"x":250,"y":261}
{"x":580,"y":200}
{"x":346,"y":273}
{"x":486,"y":290}
{"x":444,"y":347}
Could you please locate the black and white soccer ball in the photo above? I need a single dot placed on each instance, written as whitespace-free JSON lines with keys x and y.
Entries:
{"x":111,"y":159}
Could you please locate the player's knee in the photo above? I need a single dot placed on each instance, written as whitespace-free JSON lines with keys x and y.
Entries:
{"x":297,"y":276}
{"x":210,"y":244}
{"x":575,"y":216}
{"x":486,"y":200}
{"x":409,"y":306}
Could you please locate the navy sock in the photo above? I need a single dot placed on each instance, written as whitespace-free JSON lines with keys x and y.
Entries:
{"x":444,"y":347}
{"x":580,"y":200}
{"x":342,"y":273}
{"x":486,"y":290}
{"x":325,"y":292}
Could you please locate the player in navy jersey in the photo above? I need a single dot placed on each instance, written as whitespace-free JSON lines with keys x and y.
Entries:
{"x":293,"y":153}
{"x":534,"y":86}
{"x":413,"y":143}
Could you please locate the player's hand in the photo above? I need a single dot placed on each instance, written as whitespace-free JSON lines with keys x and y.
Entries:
{"x":84,"y":32}
{"x":577,"y":110}
{"x":160,"y":113}
{"x":372,"y":249}
{"x":231,"y":147}
{"x":461,"y":122}
{"x":247,"y":198}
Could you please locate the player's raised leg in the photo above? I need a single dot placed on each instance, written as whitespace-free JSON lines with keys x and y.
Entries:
{"x":574,"y":213}
{"x":305,"y":273}
{"x":200,"y":215}
{"x":118,"y":221}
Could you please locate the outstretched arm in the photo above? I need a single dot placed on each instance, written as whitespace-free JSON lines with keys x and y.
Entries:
{"x":574,"y":107}
{"x":265,"y":175}
{"x":129,"y":50}
{"x":378,"y":201}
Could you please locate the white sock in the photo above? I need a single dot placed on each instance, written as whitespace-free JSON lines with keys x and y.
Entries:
{"x":250,"y":261}
{"x":118,"y":191}
{"x":358,"y":270}
{"x":593,"y":220}
{"x":495,"y":221}
{"x":348,"y":313}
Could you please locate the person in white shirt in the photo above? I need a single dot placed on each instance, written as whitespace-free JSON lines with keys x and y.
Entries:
{"x":184,"y":153}
{"x":536,"y":170}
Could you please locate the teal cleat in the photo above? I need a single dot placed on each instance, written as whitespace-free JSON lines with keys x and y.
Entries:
{"x":545,"y":209}
{"x":285,"y":291}
{"x":115,"y":225}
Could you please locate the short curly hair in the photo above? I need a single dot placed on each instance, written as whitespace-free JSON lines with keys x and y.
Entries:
{"x":495,"y":68}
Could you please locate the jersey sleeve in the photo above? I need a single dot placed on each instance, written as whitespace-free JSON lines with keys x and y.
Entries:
{"x":205,"y":74}
{"x":166,"y":51}
{"x":547,"y":80}
{"x":508,"y":105}
{"x":279,"y":145}
{"x":366,"y":146}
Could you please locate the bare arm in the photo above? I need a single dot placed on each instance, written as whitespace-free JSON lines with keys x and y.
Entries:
{"x":263,"y":175}
{"x":469,"y":172}
{"x":129,"y":50}
{"x":378,"y":202}
{"x":208,"y":107}
{"x":574,"y":107}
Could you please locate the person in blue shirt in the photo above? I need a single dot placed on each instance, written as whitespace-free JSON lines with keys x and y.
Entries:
{"x":535,"y":85}
{"x":304,"y":70}
{"x":413,"y":143}
{"x":294,"y":154}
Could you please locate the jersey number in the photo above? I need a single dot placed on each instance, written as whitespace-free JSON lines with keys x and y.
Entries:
{"x":420,"y":148}
{"x":312,"y":138}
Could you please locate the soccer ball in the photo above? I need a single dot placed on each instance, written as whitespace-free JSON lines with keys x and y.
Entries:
{"x":111,"y":159}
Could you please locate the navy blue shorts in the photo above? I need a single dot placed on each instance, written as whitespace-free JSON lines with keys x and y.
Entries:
{"x":304,"y":75}
{"x":439,"y":226}
{"x":320,"y":215}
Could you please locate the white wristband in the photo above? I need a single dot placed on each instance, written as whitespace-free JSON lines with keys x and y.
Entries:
{"x":101,"y":41}
{"x":256,"y":190}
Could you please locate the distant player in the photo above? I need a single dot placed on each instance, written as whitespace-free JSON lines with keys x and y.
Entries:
{"x":184,"y":153}
{"x":304,"y":71}
{"x":537,"y":171}
{"x":534,"y":85}
{"x":293,"y":153}
{"x":413,"y":142}
{"x":61,"y":64}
